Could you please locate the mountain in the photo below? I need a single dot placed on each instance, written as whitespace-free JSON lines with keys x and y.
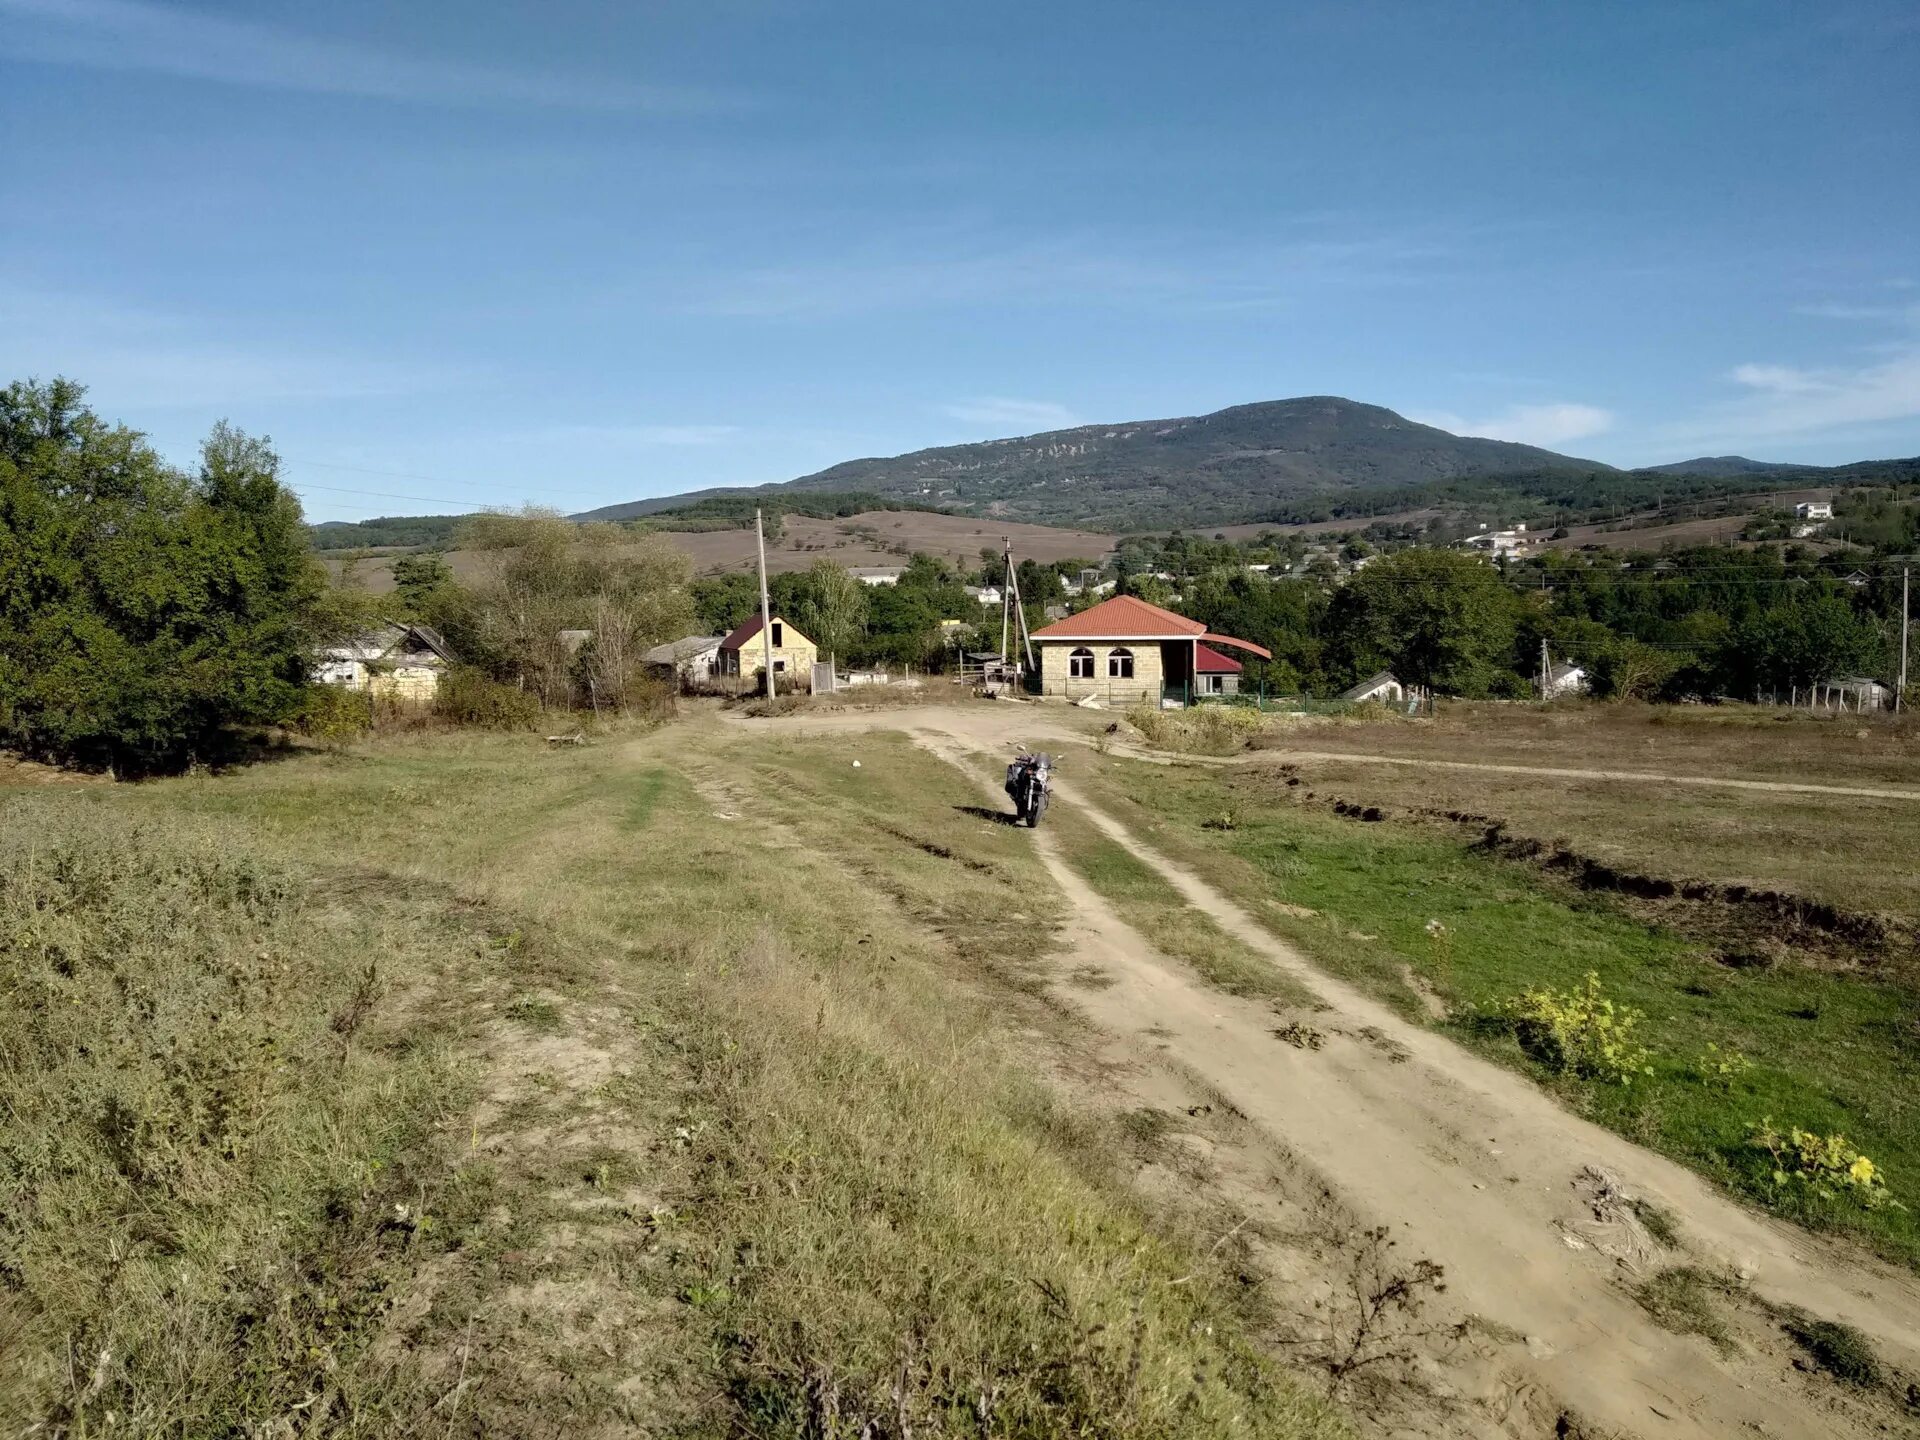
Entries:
{"x":1724,"y":465}
{"x":1245,"y":463}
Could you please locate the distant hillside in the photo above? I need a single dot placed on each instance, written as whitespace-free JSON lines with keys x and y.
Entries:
{"x":1239,"y":464}
{"x":1723,"y":465}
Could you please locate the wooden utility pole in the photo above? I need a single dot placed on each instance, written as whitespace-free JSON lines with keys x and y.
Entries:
{"x":766,"y":610}
{"x":1019,"y":608}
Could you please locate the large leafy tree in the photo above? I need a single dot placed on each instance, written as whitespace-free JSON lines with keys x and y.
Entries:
{"x":144,"y":612}
{"x":1436,"y":618}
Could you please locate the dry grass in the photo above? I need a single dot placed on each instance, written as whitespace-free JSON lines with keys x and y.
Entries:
{"x":719,"y":1124}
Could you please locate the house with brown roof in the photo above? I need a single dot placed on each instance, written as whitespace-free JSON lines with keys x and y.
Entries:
{"x":1124,"y":651}
{"x":743,"y":654}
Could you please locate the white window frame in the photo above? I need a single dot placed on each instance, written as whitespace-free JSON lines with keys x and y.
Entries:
{"x":1080,"y":664}
{"x":1120,"y":664}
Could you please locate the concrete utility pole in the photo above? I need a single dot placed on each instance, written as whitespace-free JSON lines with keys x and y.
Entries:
{"x":1545,"y":669}
{"x":766,"y":610}
{"x":1900,"y":695}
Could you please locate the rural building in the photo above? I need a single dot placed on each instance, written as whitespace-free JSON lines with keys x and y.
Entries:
{"x":1219,"y":674}
{"x":878,"y":574}
{"x":399,"y":662}
{"x":1501,"y":542}
{"x":743,"y":653}
{"x":985,"y":594}
{"x":1383,"y":688}
{"x":689,"y":661}
{"x":1565,"y":678}
{"x":1125,"y":652}
{"x":1813,"y":510}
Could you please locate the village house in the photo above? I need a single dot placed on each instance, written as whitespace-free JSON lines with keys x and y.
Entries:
{"x":1383,"y":688}
{"x":1124,"y":651}
{"x":1565,"y":678}
{"x":1813,"y":510}
{"x":393,"y":661}
{"x":742,"y":654}
{"x":686,"y":662}
{"x":1218,"y":674}
{"x":878,"y":574}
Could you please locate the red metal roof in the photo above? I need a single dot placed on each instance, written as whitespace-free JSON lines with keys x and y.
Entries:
{"x":1212,"y":662}
{"x":1124,"y":617}
{"x":743,"y":634}
{"x":1247,"y":645}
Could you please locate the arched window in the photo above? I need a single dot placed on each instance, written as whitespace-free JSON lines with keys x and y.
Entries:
{"x":1120,"y":665}
{"x":1080,"y":664}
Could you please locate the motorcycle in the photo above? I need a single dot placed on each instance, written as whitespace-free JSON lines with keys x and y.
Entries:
{"x":1029,"y":779}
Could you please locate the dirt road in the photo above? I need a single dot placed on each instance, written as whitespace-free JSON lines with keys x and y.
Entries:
{"x":1472,"y":1166}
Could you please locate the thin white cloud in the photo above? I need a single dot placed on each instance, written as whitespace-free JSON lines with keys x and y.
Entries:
{"x":1027,"y":416}
{"x":642,"y":436}
{"x":171,"y":40}
{"x":1547,"y":425}
{"x":931,"y":271}
{"x":148,"y":360}
{"x":1785,"y":400}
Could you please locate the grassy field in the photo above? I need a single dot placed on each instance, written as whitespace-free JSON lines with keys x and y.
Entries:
{"x":455,"y":1086}
{"x":1418,"y":916}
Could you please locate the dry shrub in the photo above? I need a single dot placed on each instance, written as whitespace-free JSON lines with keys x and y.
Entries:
{"x":1201,"y":730}
{"x":198,"y":1177}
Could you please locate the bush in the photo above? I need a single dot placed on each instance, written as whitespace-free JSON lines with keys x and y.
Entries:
{"x":1203,"y":730}
{"x":1582,"y":1032}
{"x":333,"y":714}
{"x":468,"y":697}
{"x":1825,"y":1165}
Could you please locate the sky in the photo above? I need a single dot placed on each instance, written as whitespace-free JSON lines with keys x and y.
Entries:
{"x":460,"y":255}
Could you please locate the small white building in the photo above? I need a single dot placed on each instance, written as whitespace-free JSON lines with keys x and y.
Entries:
{"x":689,"y":661}
{"x":1813,"y":510}
{"x":1565,"y":678}
{"x":399,"y":662}
{"x":1383,"y":688}
{"x":878,"y":574}
{"x":985,"y":594}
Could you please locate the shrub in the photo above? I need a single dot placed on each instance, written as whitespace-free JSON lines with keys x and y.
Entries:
{"x":1718,"y":1069}
{"x":467,"y":697}
{"x":1582,"y":1032}
{"x":332,"y":714}
{"x":1205,"y":729}
{"x":1824,"y":1165}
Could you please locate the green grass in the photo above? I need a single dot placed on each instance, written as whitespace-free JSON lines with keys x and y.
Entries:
{"x":1832,"y":1052}
{"x":718,"y":1126}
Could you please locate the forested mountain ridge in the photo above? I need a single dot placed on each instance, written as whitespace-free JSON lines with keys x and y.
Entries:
{"x":1236,"y":464}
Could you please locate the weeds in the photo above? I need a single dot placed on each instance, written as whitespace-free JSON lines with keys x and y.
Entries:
{"x":1828,"y":1166}
{"x":1840,"y":1350}
{"x":1582,"y":1031}
{"x":1376,"y":1322}
{"x":1685,"y":1300}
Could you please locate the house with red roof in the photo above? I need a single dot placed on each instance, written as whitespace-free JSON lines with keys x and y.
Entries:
{"x":743,"y":655}
{"x":1124,"y":651}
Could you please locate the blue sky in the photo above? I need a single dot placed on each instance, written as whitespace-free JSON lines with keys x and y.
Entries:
{"x":576,"y":253}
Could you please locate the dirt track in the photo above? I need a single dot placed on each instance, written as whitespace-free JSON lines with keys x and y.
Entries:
{"x":1471,"y":1165}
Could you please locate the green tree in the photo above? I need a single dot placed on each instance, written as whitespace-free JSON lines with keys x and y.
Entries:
{"x":416,"y":578}
{"x":144,"y":612}
{"x":833,"y":608}
{"x":1436,"y":618}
